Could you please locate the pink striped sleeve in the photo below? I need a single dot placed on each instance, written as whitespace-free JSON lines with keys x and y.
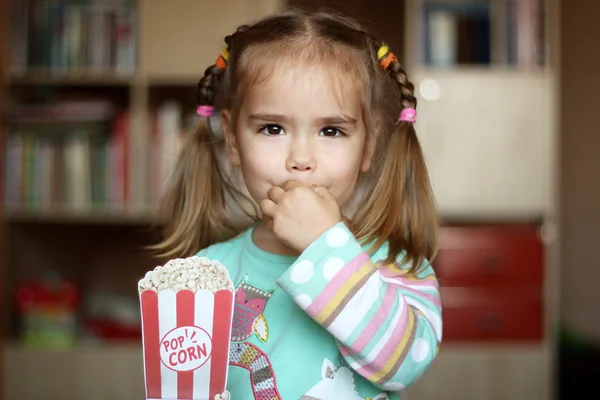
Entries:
{"x":387,"y":322}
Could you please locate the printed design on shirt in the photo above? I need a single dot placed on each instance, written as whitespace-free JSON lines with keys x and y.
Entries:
{"x":336,"y":383}
{"x":248,"y":356}
{"x":248,"y":318}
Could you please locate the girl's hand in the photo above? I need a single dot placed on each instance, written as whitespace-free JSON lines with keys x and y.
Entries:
{"x":223,"y":396}
{"x":300,"y":214}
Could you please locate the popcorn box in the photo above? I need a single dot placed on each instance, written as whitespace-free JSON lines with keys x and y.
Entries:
{"x":186,"y":337}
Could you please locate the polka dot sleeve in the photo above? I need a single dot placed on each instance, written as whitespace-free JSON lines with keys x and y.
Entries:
{"x":387,"y":323}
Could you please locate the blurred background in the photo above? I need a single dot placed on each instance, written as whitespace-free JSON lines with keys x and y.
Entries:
{"x":97,"y":94}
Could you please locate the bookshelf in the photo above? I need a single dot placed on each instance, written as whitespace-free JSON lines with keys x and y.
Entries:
{"x":84,"y":210}
{"x":493,"y":99}
{"x":489,"y":130}
{"x":480,"y":33}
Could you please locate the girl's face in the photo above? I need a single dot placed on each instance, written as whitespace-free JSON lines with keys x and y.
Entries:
{"x":298,"y":125}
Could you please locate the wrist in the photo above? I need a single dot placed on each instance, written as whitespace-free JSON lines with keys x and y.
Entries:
{"x":318,"y":233}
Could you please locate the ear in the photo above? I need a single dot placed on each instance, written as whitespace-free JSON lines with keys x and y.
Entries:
{"x":369,"y":147}
{"x":367,"y":155}
{"x":230,"y":140}
{"x":327,"y":370}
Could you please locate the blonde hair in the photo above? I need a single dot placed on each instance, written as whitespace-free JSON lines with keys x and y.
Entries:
{"x":398,"y":208}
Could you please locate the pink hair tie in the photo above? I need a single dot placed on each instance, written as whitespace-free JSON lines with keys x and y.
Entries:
{"x":408,"y":115}
{"x":205,"y":111}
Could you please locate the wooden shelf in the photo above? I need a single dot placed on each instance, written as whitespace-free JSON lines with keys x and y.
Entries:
{"x":75,"y":78}
{"x":492,"y":70}
{"x":99,"y":217}
{"x":84,"y":347}
{"x":99,"y":372}
{"x":166,"y":80}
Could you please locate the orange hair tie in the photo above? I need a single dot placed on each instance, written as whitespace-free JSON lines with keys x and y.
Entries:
{"x":221,"y":63}
{"x":385,"y":63}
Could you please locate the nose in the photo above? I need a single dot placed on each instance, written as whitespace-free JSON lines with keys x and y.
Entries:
{"x":300,"y":156}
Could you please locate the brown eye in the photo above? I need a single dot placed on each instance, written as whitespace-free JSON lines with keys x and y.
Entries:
{"x":330,"y":131}
{"x":272,"y":130}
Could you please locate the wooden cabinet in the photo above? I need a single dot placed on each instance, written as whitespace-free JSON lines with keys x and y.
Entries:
{"x":489,"y":136}
{"x":484,"y":315}
{"x":490,"y":255}
{"x":488,"y":140}
{"x":494,"y":346}
{"x":492,"y":283}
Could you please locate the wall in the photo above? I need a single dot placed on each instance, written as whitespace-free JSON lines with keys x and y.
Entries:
{"x":385,"y":19}
{"x":580,"y":158}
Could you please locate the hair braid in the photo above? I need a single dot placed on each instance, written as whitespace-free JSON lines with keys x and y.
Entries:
{"x":407,"y":89}
{"x":395,"y":70}
{"x":208,"y":86}
{"x":229,"y":39}
{"x":410,"y":221}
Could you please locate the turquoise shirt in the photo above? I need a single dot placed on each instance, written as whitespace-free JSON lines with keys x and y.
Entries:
{"x":329,"y":324}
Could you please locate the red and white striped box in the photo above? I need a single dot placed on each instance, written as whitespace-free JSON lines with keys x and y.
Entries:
{"x":186,"y":343}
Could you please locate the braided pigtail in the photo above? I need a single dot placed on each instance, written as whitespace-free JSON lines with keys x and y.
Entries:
{"x":403,"y":190}
{"x":195,"y":205}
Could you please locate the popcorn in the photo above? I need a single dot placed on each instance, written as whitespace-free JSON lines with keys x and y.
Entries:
{"x":187,"y":310}
{"x":193,"y":273}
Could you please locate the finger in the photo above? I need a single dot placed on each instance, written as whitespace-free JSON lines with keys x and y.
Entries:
{"x":268,"y":208}
{"x":324,"y":193}
{"x":275,"y":194}
{"x":289,"y":185}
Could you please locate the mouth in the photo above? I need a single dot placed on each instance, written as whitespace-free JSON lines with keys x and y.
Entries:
{"x":309,"y":184}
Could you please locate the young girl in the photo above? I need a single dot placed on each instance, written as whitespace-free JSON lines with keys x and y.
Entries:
{"x":335,"y":296}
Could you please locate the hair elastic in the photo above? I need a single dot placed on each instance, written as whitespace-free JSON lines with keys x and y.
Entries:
{"x":385,"y":56}
{"x":205,"y":111}
{"x":213,"y":120}
{"x":223,"y":60}
{"x":408,"y":115}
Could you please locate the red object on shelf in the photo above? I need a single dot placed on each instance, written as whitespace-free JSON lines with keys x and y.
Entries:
{"x":490,"y":256}
{"x":491,"y":279}
{"x":492,"y":315}
{"x":35,"y":295}
{"x":47,"y":312}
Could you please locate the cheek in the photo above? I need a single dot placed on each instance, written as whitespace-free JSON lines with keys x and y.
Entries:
{"x":344,"y":172}
{"x":343,"y":159}
{"x":259,"y":164}
{"x":348,"y":167}
{"x":346,"y":176}
{"x":258,"y":169}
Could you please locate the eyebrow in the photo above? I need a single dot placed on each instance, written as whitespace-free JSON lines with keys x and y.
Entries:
{"x":337,"y":119}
